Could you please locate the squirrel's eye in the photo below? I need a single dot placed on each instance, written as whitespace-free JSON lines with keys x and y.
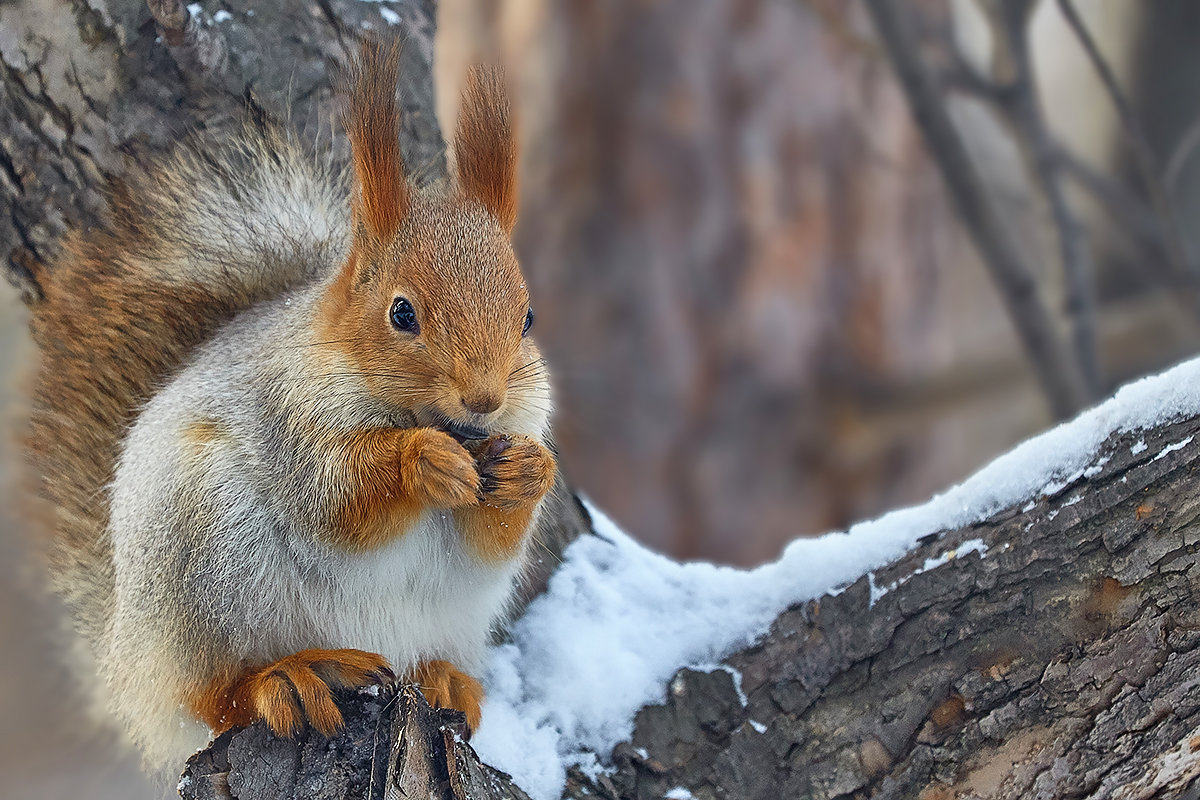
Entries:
{"x":528,"y":322}
{"x":403,"y":317}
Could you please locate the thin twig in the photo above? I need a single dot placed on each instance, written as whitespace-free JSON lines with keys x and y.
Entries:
{"x":1127,"y":209}
{"x":1023,"y":108}
{"x":1059,"y":373}
{"x":1142,"y":224}
{"x":1143,"y":155}
{"x":1180,"y":154}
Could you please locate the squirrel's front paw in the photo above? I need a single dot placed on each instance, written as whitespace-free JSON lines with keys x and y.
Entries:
{"x":437,"y":471}
{"x":514,"y":471}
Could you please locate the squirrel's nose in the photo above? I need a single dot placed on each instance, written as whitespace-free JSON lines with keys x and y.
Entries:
{"x":482,"y":403}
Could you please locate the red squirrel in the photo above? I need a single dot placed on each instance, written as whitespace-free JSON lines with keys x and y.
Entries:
{"x":294,"y":428}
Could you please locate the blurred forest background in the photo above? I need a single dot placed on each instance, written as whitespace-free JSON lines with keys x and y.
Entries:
{"x":764,"y":315}
{"x":763,"y":309}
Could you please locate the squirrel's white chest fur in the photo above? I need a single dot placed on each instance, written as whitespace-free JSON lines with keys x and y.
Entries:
{"x":419,"y":597}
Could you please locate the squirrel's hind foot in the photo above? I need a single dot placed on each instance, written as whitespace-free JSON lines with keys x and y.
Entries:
{"x":291,"y":691}
{"x":446,"y":686}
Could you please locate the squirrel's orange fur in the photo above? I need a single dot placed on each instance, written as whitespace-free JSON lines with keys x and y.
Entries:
{"x":372,"y":122}
{"x":228,"y":511}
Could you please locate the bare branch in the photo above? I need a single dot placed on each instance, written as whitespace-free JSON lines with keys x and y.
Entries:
{"x":1181,"y":153}
{"x":1022,"y":106}
{"x":1060,"y":375}
{"x":1144,"y":159}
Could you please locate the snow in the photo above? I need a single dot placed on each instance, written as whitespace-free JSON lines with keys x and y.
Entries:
{"x":618,"y":620}
{"x":972,"y":546}
{"x":1171,"y":448}
{"x":679,"y":793}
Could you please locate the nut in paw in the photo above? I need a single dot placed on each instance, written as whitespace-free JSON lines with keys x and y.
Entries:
{"x":514,"y":471}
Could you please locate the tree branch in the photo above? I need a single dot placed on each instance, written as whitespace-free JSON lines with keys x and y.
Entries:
{"x":394,"y":746}
{"x":1143,"y":155}
{"x":1021,"y":104}
{"x":1058,"y":372}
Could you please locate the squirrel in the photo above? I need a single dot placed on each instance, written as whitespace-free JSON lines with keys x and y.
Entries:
{"x":293,"y":426}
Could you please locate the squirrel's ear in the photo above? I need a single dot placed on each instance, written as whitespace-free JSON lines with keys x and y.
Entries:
{"x":485,"y":146}
{"x":372,"y":120}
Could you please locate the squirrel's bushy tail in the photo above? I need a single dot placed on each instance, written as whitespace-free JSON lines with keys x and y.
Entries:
{"x":185,"y":247}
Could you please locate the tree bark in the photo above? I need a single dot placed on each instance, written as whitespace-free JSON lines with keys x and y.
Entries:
{"x":394,"y":746}
{"x":86,"y":88}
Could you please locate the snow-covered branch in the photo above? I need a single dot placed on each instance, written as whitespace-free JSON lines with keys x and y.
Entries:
{"x":1033,"y":631}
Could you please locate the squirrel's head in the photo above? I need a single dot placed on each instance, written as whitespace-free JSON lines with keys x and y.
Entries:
{"x":431,"y":310}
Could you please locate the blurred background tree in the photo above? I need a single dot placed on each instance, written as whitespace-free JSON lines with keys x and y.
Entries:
{"x":765,"y":317}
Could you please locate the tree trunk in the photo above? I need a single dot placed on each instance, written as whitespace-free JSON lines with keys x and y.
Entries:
{"x":1060,"y":664}
{"x":86,"y":88}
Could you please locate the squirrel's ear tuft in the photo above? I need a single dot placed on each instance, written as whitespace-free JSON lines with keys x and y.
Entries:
{"x":485,"y":146}
{"x":371,"y":117}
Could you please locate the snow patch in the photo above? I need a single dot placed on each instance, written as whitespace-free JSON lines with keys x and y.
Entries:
{"x":970,"y":546}
{"x":737,"y":681}
{"x":1171,"y":448}
{"x":617,"y":620}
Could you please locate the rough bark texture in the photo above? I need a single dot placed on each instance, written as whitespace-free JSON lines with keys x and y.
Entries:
{"x":394,"y":746}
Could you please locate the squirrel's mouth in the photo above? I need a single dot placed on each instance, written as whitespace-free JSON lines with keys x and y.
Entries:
{"x":462,"y":432}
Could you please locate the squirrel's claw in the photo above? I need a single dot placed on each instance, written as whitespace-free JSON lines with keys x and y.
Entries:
{"x":446,"y":686}
{"x":293,"y":691}
{"x":514,"y":471}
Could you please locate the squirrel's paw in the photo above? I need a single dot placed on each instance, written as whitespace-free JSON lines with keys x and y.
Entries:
{"x":293,"y":690}
{"x":437,"y":470}
{"x":446,"y":686}
{"x":514,"y":471}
